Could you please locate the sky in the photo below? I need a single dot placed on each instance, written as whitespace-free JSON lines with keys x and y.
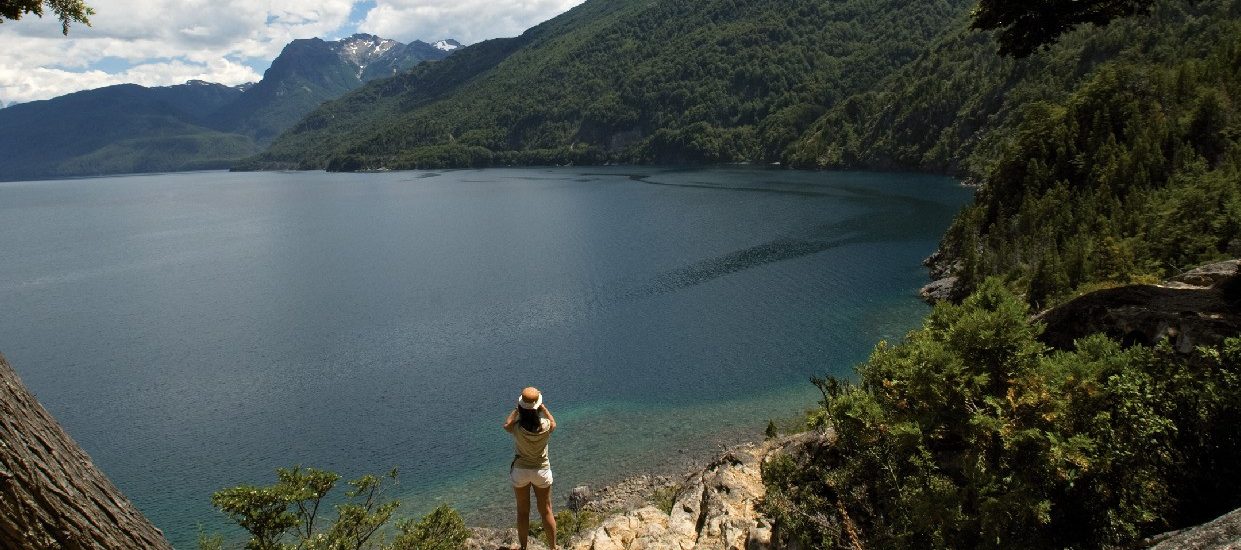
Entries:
{"x":165,"y":42}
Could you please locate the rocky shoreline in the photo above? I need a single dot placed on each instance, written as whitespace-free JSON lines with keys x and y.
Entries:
{"x":712,"y":507}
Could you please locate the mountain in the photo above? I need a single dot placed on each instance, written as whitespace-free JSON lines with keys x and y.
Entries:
{"x":197,"y":125}
{"x":311,"y":71}
{"x":123,"y":128}
{"x":624,"y":80}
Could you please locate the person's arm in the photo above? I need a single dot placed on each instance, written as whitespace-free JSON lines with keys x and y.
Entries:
{"x":550,"y":420}
{"x":511,"y":420}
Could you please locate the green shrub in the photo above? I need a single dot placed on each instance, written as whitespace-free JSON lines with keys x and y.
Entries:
{"x":288,"y":515}
{"x":442,"y":529}
{"x":971,"y":434}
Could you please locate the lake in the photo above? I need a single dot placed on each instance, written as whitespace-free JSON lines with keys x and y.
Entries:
{"x":196,"y":331}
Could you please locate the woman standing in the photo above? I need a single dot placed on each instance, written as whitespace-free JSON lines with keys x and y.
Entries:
{"x":532,"y":425}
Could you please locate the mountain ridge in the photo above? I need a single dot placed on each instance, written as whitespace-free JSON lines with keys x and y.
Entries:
{"x":129,"y":128}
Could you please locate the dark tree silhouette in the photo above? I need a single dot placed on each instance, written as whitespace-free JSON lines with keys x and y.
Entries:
{"x":1027,"y":25}
{"x":67,"y":10}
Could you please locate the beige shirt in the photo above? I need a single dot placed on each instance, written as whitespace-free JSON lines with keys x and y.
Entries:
{"x":531,"y":448}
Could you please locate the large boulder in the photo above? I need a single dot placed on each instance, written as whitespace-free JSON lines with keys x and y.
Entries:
{"x":1201,"y":307}
{"x":941,"y":290}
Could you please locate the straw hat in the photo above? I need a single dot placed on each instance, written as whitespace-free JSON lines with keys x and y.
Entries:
{"x":531,"y":398}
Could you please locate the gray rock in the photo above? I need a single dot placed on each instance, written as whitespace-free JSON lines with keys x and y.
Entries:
{"x":1211,"y":274}
{"x":578,"y":498}
{"x":941,"y":290}
{"x":1222,"y":534}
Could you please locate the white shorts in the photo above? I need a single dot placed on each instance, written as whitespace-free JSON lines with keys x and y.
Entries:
{"x":522,"y":477}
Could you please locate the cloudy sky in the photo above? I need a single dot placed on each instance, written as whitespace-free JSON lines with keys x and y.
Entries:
{"x":163,"y":42}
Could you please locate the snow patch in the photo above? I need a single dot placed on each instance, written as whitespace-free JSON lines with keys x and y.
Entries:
{"x":361,"y":50}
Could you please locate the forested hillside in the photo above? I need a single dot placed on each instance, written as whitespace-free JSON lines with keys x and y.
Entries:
{"x":633,"y":81}
{"x":1113,"y":156}
{"x":125,"y":128}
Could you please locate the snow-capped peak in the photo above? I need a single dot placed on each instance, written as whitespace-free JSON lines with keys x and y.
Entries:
{"x":446,"y":45}
{"x":363,"y":49}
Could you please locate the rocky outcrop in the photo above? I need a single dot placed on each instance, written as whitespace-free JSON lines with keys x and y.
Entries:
{"x":940,"y":290}
{"x":1222,"y":534}
{"x":1200,"y":307}
{"x":51,"y":495}
{"x":943,"y":287}
{"x":714,"y":508}
{"x":1210,"y":275}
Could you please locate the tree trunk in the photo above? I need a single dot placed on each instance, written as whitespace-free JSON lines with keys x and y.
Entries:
{"x":51,"y":495}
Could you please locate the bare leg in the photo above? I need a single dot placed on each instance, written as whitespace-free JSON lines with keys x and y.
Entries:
{"x":523,"y":514}
{"x":544,"y":496}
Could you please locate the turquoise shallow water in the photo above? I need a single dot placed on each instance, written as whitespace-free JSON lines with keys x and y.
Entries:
{"x":195,"y":331}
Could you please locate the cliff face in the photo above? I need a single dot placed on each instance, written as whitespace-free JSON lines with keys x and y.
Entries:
{"x":51,"y":495}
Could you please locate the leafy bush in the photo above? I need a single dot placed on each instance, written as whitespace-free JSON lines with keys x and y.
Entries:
{"x":288,"y":515}
{"x":971,"y":434}
{"x":442,"y":529}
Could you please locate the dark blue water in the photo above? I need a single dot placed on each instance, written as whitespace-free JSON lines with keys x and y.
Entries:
{"x":196,"y":331}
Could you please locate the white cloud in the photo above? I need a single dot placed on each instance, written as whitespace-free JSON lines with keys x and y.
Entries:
{"x":468,"y":21}
{"x":164,"y":42}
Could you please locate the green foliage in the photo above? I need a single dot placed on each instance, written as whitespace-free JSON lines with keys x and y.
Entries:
{"x":568,"y":524}
{"x":288,"y":515}
{"x":67,"y":11}
{"x":665,"y":498}
{"x":209,"y":542}
{"x":1148,"y":203}
{"x":1095,"y":155}
{"x":627,"y":80}
{"x":442,"y":529}
{"x":971,"y":434}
